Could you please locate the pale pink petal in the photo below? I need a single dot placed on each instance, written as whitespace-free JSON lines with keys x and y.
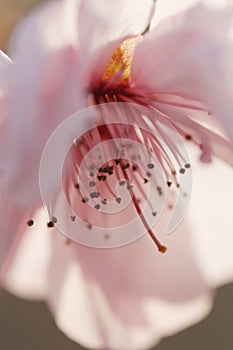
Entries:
{"x":26,"y":269}
{"x":43,"y":93}
{"x":189,"y":56}
{"x":166,"y":8}
{"x":212,"y":221}
{"x":105,"y":21}
{"x":126,"y":298}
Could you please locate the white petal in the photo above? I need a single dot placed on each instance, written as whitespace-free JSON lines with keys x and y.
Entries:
{"x":212,"y":221}
{"x":126,"y":298}
{"x":27,"y":267}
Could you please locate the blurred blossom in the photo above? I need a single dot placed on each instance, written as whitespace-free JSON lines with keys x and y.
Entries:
{"x":168,"y":65}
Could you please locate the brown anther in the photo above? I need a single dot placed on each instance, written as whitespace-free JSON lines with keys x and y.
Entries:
{"x":145,"y":181}
{"x":182,"y":170}
{"x":118,"y":200}
{"x":169,"y":183}
{"x":97,"y":206}
{"x":50,"y":224}
{"x":188,"y":137}
{"x":76,"y":186}
{"x":187,"y":166}
{"x":125,"y":166}
{"x":162,"y":249}
{"x":84,"y":199}
{"x":30,"y":222}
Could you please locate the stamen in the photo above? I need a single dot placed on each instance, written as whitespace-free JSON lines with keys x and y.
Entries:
{"x":160,"y":247}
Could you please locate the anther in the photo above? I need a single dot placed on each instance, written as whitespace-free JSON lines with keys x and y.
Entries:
{"x":104,"y":201}
{"x":187,"y":166}
{"x":188,"y":137}
{"x":182,"y":170}
{"x":122,"y":183}
{"x":150,"y":165}
{"x":129,"y":187}
{"x":94,"y":194}
{"x":154,"y":213}
{"x":148,"y":174}
{"x":125,"y":166}
{"x":84,"y":199}
{"x":101,"y":177}
{"x":89,"y":226}
{"x":160,"y":191}
{"x":97,"y":206}
{"x":162,"y":249}
{"x":50,"y":224}
{"x":72,"y":217}
{"x":76,"y":186}
{"x":30,"y":222}
{"x":169,"y":183}
{"x":145,"y":181}
{"x":92,"y":184}
{"x":118,"y":200}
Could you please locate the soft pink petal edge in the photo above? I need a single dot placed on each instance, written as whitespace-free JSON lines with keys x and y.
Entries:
{"x":200,"y":68}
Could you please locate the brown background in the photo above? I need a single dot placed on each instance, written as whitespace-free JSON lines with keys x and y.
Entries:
{"x":29,"y":326}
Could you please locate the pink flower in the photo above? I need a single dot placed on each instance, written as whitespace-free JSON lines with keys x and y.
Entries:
{"x":67,"y":56}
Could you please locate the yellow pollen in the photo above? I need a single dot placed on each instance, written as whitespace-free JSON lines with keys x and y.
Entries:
{"x":121,"y":61}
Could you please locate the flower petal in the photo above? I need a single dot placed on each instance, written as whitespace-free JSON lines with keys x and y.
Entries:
{"x":126,"y":298}
{"x":42,"y":94}
{"x":166,"y":8}
{"x":211,"y":214}
{"x":25,"y":271}
{"x":190,"y":56}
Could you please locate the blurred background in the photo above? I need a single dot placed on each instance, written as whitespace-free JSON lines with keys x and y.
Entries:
{"x":28,"y":325}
